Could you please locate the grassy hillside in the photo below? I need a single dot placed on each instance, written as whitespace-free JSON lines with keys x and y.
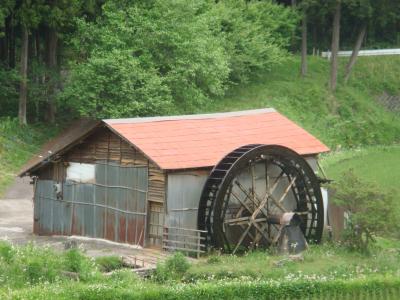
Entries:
{"x":349,"y":118}
{"x":352,"y":117}
{"x":379,"y":164}
{"x":17,"y":145}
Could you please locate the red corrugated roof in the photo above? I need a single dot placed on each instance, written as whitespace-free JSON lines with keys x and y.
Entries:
{"x":197,"y":141}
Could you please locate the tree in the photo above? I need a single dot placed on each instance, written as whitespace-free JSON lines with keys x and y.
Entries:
{"x":29,"y":17}
{"x":360,"y":13}
{"x":304,"y":45}
{"x":23,"y":91}
{"x":144,"y":58}
{"x":303,"y":11}
{"x":335,"y":45}
{"x":370,"y":210}
{"x":58,"y":15}
{"x":365,"y":14}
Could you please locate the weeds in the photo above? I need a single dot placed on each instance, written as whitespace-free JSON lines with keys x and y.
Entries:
{"x":174,"y":268}
{"x":109,"y":263}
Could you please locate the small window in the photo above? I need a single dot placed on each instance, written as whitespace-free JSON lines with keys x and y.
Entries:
{"x":81,"y":172}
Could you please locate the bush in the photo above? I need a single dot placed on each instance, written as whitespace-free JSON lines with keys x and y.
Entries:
{"x":254,"y":34}
{"x":214,"y":259}
{"x":109,"y":263}
{"x":75,"y":261}
{"x":6,"y":252}
{"x":370,"y":210}
{"x":124,"y":277}
{"x":172,"y":269}
{"x":21,"y":266}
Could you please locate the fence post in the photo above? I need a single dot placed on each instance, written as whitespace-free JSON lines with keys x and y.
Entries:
{"x":198,"y":244}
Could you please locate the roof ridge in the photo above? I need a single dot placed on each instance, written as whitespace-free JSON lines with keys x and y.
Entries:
{"x":190,"y":117}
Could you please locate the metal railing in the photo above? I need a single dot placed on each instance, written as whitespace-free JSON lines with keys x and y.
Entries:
{"x":190,"y":241}
{"x":377,"y":52}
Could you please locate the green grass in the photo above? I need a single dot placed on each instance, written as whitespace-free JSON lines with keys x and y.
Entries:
{"x":17,"y":145}
{"x":31,"y":272}
{"x":380,"y":164}
{"x":327,"y":260}
{"x":109,"y":263}
{"x":348,"y":118}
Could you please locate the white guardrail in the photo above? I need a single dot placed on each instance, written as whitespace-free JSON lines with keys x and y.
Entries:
{"x":328,"y":54}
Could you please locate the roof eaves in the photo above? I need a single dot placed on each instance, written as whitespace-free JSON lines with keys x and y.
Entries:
{"x":25,"y":171}
{"x":190,"y":117}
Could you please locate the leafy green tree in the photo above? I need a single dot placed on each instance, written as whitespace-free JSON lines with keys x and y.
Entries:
{"x":140,"y":58}
{"x":172,"y":55}
{"x":255,"y":34}
{"x":370,"y":211}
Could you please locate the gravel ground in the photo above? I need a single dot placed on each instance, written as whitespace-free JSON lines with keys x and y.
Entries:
{"x":16,"y":223}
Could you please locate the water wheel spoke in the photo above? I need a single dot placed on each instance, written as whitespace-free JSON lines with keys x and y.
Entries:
{"x":253,"y":181}
{"x":243,"y":203}
{"x":261,"y":230}
{"x":244,"y":220}
{"x":278,"y":204}
{"x":244,"y":234}
{"x":245,"y":192}
{"x":237,"y":220}
{"x":286,"y":191}
{"x":256,"y":197}
{"x":276,"y":182}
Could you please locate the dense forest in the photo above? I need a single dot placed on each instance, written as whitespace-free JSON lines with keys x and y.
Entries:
{"x":60,"y":59}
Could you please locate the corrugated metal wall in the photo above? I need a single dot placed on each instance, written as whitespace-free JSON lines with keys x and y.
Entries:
{"x":184,"y":191}
{"x":113,"y":207}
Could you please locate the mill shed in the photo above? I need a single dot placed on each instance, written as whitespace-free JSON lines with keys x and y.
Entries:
{"x":137,"y":180}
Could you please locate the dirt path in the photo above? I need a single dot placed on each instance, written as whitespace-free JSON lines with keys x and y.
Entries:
{"x":16,"y":223}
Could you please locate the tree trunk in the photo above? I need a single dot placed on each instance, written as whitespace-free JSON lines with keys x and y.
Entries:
{"x":51,"y":63}
{"x":4,"y":45}
{"x":37,"y":43}
{"x":11,"y":44}
{"x":335,"y":46}
{"x":304,"y":46}
{"x":356,"y":50}
{"x":293,"y":39}
{"x":23,"y":91}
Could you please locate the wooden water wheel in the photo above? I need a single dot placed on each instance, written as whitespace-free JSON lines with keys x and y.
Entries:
{"x":253,"y":187}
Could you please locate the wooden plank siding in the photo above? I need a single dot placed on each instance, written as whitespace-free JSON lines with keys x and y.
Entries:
{"x":104,"y":146}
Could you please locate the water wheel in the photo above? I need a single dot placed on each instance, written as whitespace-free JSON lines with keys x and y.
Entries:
{"x":251,"y":190}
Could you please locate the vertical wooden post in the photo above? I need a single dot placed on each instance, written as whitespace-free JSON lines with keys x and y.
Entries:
{"x":198,"y":244}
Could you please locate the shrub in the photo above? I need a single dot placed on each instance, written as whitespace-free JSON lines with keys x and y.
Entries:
{"x":6,"y":252}
{"x":214,"y":259}
{"x":124,"y":277}
{"x":370,"y":210}
{"x":109,"y":263}
{"x":75,"y":261}
{"x":172,"y":269}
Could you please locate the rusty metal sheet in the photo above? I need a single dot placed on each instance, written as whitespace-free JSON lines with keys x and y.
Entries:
{"x":113,"y":207}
